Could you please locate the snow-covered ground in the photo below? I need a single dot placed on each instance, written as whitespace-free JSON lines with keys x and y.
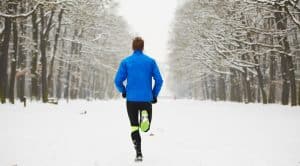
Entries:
{"x":185,"y":132}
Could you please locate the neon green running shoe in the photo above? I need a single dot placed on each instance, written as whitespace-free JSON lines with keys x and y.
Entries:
{"x":145,"y":124}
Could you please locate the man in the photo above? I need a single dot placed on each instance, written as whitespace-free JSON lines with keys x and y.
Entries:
{"x":139,"y":69}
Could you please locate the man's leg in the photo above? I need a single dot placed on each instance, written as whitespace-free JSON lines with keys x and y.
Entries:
{"x":133,"y":114}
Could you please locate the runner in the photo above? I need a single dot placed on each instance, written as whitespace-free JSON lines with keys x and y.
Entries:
{"x":138,"y":70}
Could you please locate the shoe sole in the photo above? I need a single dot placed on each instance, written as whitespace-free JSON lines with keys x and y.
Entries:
{"x":145,"y":121}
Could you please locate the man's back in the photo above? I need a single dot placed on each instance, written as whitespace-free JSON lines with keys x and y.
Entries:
{"x":139,"y":69}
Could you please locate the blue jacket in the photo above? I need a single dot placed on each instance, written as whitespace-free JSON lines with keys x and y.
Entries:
{"x":139,"y":69}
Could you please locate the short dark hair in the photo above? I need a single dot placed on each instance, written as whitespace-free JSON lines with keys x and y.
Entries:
{"x":138,"y":44}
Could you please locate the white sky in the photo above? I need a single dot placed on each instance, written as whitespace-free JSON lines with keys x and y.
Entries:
{"x":151,"y":20}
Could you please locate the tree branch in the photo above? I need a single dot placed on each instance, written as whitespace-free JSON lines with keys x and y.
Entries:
{"x":297,"y":22}
{"x":20,"y":15}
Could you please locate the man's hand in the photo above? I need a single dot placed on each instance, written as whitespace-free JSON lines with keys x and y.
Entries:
{"x":124,"y":95}
{"x":154,"y":101}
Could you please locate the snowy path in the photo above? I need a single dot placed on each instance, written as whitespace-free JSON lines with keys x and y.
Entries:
{"x":190,"y":133}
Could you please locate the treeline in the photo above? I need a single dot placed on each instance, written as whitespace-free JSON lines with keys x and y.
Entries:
{"x":59,"y":49}
{"x":243,"y":51}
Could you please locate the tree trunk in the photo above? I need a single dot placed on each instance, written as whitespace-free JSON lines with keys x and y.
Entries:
{"x":93,"y":84}
{"x":246,"y":85}
{"x":213,"y":88}
{"x":291,"y":71}
{"x":59,"y":84}
{"x":297,"y":44}
{"x":34,"y":59}
{"x":77,"y":83}
{"x":13,"y":62}
{"x":67,"y":88}
{"x":45,"y":29}
{"x":22,"y":55}
{"x":73,"y":80}
{"x":281,"y":25}
{"x":89,"y":85}
{"x":206,"y":88}
{"x":273,"y":68}
{"x":260,"y":80}
{"x":4,"y":59}
{"x":221,"y":88}
{"x":234,"y":86}
{"x":272,"y":72}
{"x":73,"y":47}
{"x":290,"y":68}
{"x":298,"y":92}
{"x":43,"y":46}
{"x":285,"y":82}
{"x":50,"y":81}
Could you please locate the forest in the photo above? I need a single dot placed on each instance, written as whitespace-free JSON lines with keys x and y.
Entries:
{"x":53,"y":49}
{"x":238,"y":50}
{"x":242,"y":51}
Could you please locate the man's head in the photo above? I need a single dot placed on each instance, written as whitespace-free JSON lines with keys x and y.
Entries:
{"x":138,"y":44}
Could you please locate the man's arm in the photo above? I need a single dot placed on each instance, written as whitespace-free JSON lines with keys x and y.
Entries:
{"x":158,"y":80}
{"x":121,"y":77}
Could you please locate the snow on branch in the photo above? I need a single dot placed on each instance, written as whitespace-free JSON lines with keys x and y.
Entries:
{"x":25,"y":15}
{"x":257,"y":44}
{"x":215,"y":70}
{"x":285,"y":4}
{"x":270,"y":2}
{"x":40,"y":3}
{"x":238,"y":63}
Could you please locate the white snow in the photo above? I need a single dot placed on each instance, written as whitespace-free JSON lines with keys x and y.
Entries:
{"x":186,"y":132}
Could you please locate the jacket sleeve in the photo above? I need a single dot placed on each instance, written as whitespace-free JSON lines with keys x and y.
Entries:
{"x":158,"y":80}
{"x":121,"y":77}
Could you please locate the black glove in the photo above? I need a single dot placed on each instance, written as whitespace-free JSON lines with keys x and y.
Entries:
{"x":154,"y":101}
{"x":124,"y":95}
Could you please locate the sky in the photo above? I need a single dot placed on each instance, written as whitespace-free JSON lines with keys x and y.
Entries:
{"x":151,"y":20}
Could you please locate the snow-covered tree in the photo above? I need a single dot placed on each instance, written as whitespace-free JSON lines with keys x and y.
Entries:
{"x":60,"y":48}
{"x":232,"y":49}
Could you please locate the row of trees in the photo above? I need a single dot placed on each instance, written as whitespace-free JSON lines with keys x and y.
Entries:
{"x":60,"y":48}
{"x":244,"y":51}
